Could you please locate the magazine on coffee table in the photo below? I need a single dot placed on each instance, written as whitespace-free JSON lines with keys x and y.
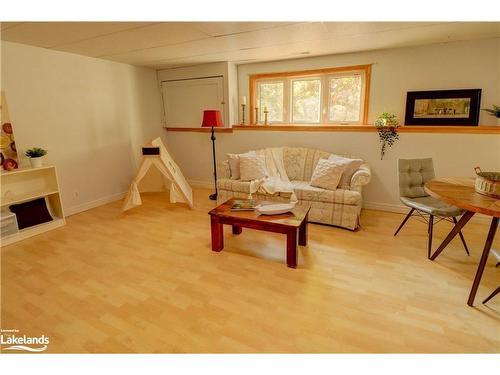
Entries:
{"x":243,"y":205}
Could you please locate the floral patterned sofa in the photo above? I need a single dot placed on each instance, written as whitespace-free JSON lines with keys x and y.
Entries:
{"x":341,"y":207}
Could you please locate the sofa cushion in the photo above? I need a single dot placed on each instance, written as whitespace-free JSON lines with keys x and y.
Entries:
{"x":234,"y":164}
{"x":327,"y":174}
{"x":238,"y":186}
{"x":300,"y":162}
{"x":305,"y":192}
{"x":350,"y":165}
{"x":294,"y":159}
{"x":252,"y":167}
{"x":234,"y":185}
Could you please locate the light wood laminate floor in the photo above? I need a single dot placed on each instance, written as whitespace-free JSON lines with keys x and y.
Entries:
{"x":147,"y":281}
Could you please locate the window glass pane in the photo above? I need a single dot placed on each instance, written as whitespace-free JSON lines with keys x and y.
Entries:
{"x":271,"y":96}
{"x":344,"y":98}
{"x":306,"y":100}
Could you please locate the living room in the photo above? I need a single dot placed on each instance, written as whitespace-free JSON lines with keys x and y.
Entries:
{"x":261,"y":186}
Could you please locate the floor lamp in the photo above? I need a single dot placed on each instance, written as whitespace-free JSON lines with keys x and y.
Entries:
{"x":212,"y":119}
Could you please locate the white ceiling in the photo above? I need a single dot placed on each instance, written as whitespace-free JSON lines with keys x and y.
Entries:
{"x":172,"y":44}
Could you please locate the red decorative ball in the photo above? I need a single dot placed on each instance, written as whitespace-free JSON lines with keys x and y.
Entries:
{"x":9,"y":164}
{"x":7,"y":127}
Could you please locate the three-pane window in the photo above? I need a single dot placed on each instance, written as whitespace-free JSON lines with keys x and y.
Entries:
{"x":344,"y":99}
{"x":306,"y":100}
{"x":271,"y":97}
{"x":317,"y":97}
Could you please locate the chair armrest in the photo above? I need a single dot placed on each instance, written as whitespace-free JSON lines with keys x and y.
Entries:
{"x":223,"y":169}
{"x":362,"y":176}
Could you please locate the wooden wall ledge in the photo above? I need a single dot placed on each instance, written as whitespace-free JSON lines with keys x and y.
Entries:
{"x":199,"y":130}
{"x":347,"y":128}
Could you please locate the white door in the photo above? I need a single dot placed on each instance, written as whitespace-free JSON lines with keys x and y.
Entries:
{"x":185,"y":100}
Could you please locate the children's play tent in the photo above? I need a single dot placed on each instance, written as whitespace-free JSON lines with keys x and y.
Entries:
{"x":158,"y":172}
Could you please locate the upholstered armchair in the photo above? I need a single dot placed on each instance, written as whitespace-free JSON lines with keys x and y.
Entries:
{"x":413,"y":174}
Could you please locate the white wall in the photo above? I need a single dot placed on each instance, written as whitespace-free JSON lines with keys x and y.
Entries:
{"x":232,"y":93}
{"x":473,"y":64}
{"x":91,"y":115}
{"x":224,"y":69}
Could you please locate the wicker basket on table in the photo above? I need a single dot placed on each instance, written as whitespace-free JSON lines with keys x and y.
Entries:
{"x":487,"y":183}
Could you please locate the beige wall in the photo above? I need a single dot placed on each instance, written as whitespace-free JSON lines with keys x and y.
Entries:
{"x":473,"y":64}
{"x":470,"y":64}
{"x":91,"y":115}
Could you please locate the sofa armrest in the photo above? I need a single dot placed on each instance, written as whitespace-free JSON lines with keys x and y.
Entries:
{"x":362,"y":176}
{"x":223,"y":169}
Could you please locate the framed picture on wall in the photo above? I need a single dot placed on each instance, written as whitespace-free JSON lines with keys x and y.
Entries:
{"x":443,"y":107}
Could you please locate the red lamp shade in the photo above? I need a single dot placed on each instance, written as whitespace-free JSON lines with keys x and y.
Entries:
{"x":212,"y":119}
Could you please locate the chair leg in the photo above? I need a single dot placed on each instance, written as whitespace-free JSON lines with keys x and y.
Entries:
{"x":431,"y":225}
{"x":461,"y":237}
{"x":404,"y":221}
{"x":497,"y":290}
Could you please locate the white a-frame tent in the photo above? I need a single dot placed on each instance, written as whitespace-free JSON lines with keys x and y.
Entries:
{"x":158,"y":173}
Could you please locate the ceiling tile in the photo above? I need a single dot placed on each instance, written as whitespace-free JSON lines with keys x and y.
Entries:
{"x":226,"y":28}
{"x":8,"y":25}
{"x":144,"y":38}
{"x":54,"y":34}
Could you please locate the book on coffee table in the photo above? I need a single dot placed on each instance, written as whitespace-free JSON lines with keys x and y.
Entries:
{"x":243,"y":205}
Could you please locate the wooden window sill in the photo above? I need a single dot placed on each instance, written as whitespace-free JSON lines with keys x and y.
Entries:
{"x":199,"y":130}
{"x":347,"y":128}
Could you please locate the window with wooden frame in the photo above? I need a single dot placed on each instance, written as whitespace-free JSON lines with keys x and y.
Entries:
{"x":322,"y":96}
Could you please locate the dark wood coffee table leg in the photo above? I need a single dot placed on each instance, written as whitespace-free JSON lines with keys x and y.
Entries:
{"x":303,"y":233}
{"x":237,"y":230}
{"x":217,"y":233}
{"x":482,"y":262}
{"x":291,"y":248}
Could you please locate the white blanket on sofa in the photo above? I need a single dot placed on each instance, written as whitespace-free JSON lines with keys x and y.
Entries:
{"x":277,"y":180}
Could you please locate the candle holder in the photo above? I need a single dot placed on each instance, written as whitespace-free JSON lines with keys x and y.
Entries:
{"x":256,"y":115}
{"x":243,"y":114}
{"x":265,"y":116}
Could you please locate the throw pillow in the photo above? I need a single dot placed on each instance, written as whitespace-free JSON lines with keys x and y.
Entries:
{"x":327,"y":174}
{"x":350,"y":165}
{"x":234,"y":164}
{"x":252,"y":167}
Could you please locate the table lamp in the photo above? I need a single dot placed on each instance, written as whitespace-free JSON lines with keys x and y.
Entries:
{"x":212,"y":119}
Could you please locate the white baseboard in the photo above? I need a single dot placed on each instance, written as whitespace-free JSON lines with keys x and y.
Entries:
{"x":387,"y":207}
{"x":95,"y":203}
{"x":201,"y":184}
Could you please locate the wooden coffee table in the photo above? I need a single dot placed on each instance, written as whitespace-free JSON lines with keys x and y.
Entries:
{"x":293,"y":224}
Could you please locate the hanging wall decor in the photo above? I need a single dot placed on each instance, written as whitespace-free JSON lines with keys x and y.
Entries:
{"x":8,"y":150}
{"x":443,"y":107}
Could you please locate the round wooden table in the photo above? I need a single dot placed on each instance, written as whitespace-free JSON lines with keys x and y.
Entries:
{"x":459,"y":191}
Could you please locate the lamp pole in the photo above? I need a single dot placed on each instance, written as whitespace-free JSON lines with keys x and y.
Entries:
{"x":212,"y":118}
{"x":214,"y":196}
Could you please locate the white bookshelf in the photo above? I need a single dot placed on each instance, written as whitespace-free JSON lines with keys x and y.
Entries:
{"x":23,"y":185}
